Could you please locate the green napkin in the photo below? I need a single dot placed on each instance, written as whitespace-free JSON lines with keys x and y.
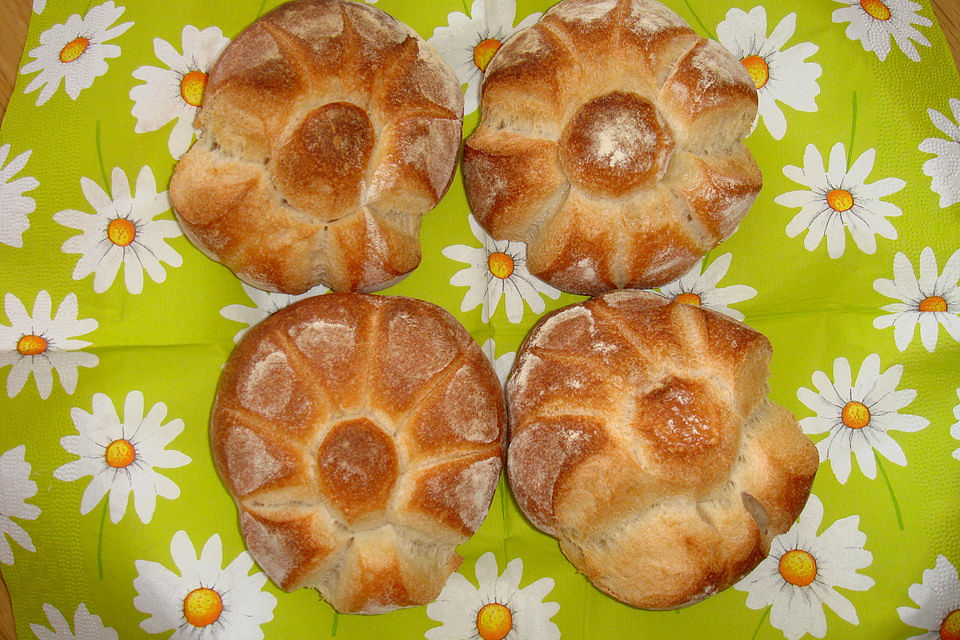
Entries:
{"x":113,"y":522}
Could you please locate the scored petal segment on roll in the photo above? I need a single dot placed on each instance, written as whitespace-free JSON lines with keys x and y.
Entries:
{"x":642,"y":438}
{"x":328,"y":128}
{"x":611,"y":142}
{"x":362,"y":439}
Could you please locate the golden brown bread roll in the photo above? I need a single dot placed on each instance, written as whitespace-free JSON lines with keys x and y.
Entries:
{"x":642,"y":438}
{"x":362,"y":438}
{"x":328,"y":129}
{"x":611,"y":142}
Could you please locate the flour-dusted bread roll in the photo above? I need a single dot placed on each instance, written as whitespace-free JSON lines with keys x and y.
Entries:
{"x":611,"y":142}
{"x":328,"y":128}
{"x":642,"y":438}
{"x":362,"y":438}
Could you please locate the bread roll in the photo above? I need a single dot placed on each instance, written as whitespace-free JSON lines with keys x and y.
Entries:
{"x":642,"y":438}
{"x":328,"y":128}
{"x":611,"y":142}
{"x":361,"y":438}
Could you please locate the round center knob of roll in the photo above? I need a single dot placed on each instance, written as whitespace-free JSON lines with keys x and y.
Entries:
{"x":615,"y":143}
{"x":321,"y":164}
{"x":357,"y":467}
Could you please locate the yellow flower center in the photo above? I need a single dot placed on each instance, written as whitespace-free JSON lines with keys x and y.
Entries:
{"x":950,"y":627}
{"x":933,"y":303}
{"x":494,"y":621}
{"x":500,"y":264}
{"x":31,"y":345}
{"x":798,"y":567}
{"x":202,"y":607}
{"x":758,"y":69}
{"x":483,"y":52}
{"x":192,"y":86}
{"x":855,"y":415}
{"x":688,"y":298}
{"x":120,"y":453}
{"x":121,"y":232}
{"x":876,"y":9}
{"x":74,"y":49}
{"x":840,"y":200}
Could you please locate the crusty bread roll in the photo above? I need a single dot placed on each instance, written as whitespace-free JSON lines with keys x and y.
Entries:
{"x":328,"y":128}
{"x":611,"y":142}
{"x":641,"y":437}
{"x":362,"y":438}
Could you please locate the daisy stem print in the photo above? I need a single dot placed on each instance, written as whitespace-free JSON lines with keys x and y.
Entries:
{"x":763,"y":618}
{"x":853,"y":127}
{"x":103,"y":170}
{"x":103,"y":520}
{"x":893,"y":496}
{"x":700,"y":22}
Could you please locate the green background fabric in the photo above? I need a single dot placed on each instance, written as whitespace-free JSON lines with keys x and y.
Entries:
{"x":170,"y":341}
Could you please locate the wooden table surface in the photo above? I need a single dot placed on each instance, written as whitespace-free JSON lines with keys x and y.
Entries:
{"x":15,"y":15}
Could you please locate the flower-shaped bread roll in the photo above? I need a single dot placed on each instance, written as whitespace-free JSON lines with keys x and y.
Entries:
{"x":362,"y":439}
{"x":642,"y":438}
{"x":328,"y":128}
{"x":611,"y":142}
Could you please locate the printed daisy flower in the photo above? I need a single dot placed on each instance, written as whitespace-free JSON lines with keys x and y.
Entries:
{"x":701,"y":289}
{"x":779,"y":74}
{"x":123,"y":455}
{"x":955,"y":429}
{"x":39,"y":6}
{"x":14,"y":206}
{"x":497,"y":609}
{"x":16,"y":488}
{"x":839,"y":199}
{"x":86,"y":626}
{"x":497,"y":270}
{"x":804,"y":569}
{"x":265,"y":303}
{"x":929,"y":301}
{"x":937,"y":596}
{"x":204,"y":600}
{"x":36,"y":343}
{"x":859,"y":416}
{"x":175,"y":92}
{"x":501,"y":365}
{"x":122,"y":231}
{"x":945,"y":167}
{"x":74,"y":52}
{"x":873,"y":22}
{"x":469,"y":42}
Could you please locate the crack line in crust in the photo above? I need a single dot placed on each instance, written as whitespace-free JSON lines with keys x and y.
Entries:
{"x":403,"y":462}
{"x":447,"y":458}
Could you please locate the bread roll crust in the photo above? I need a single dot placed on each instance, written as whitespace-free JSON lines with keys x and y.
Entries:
{"x":362,"y":439}
{"x":642,"y":438}
{"x":612,"y":143}
{"x":328,"y":128}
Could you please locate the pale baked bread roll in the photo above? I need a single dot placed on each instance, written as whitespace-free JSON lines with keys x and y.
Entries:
{"x":362,"y":438}
{"x":641,"y":438}
{"x":328,"y":128}
{"x":611,"y":142}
